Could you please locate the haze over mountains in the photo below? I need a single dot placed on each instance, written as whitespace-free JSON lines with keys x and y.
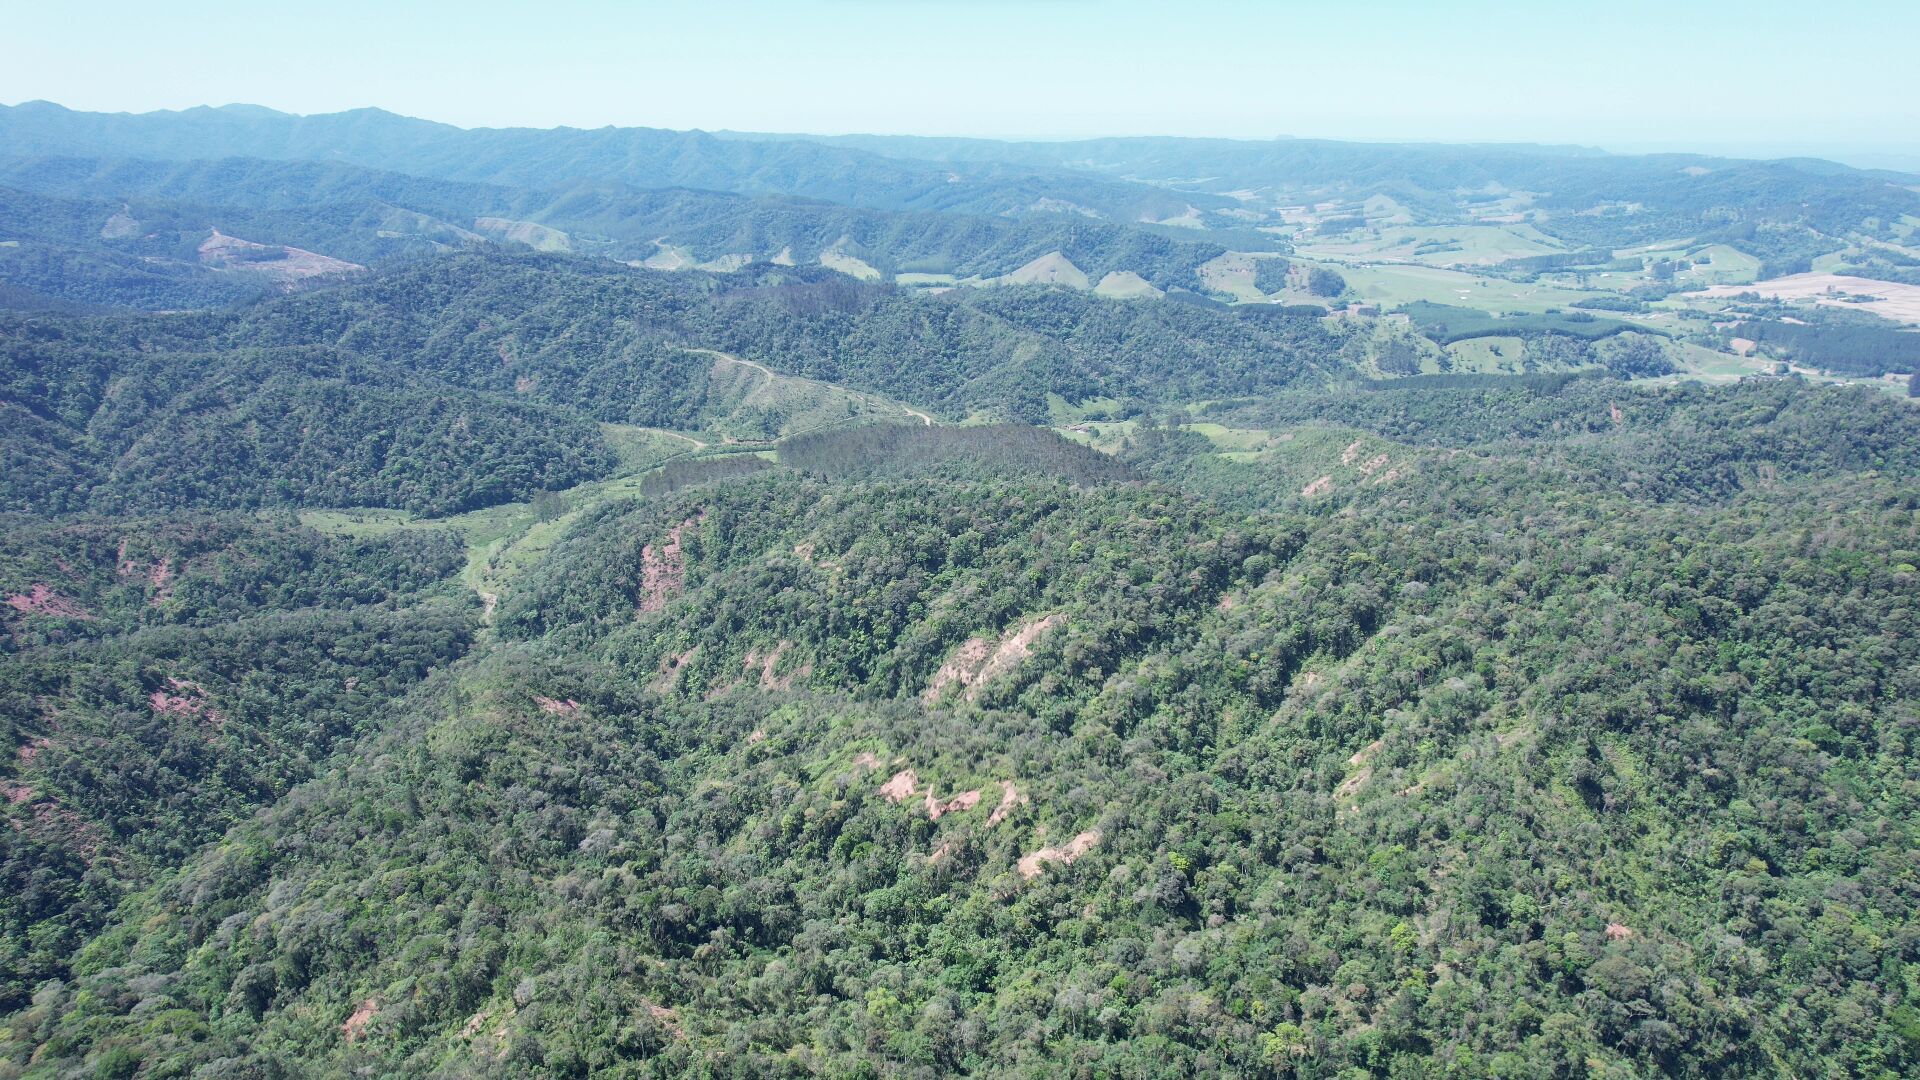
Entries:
{"x":644,"y":603}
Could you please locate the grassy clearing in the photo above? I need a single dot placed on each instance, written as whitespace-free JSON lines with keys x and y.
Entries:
{"x":1392,"y":286}
{"x":1234,"y":440}
{"x":1105,"y":436}
{"x":847,"y":264}
{"x":643,"y":448}
{"x":925,"y":281}
{"x":1489,"y":355}
{"x":1442,"y":245}
{"x":1232,"y":275}
{"x":1712,"y":366}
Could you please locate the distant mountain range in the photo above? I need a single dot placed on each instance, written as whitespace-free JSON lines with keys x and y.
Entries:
{"x":545,"y":158}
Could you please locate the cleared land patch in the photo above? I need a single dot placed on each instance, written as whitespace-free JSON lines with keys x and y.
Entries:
{"x":1888,"y":299}
{"x":538,"y":237}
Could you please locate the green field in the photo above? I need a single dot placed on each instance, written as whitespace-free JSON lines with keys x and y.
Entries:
{"x":1391,"y":286}
{"x":1491,"y":355}
{"x":1473,"y":245}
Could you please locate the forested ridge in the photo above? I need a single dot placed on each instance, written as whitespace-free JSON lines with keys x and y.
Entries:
{"x":126,"y":232}
{"x":1559,"y":742}
{"x":613,"y":342}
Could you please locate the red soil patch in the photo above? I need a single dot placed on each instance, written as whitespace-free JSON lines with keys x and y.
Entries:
{"x":1318,"y":487}
{"x":1353,"y":784}
{"x":903,"y":785}
{"x":766,"y":664}
{"x":1614,"y":414}
{"x":1365,"y":753}
{"x":962,"y":667}
{"x":1352,"y":451}
{"x":15,"y":793}
{"x":42,"y":600}
{"x":667,"y":1018}
{"x":159,"y":575}
{"x":1009,"y":798}
{"x":966,"y":800}
{"x":356,"y":1024}
{"x":663,"y":569}
{"x":288,"y":266}
{"x":557,"y":708}
{"x":1372,"y":464}
{"x":190,"y":702}
{"x":31,"y":749}
{"x":1030,"y":865}
{"x":867,"y":758}
{"x":978,"y":661}
{"x":161,"y":578}
{"x":57,"y":823}
{"x":1618,"y":932}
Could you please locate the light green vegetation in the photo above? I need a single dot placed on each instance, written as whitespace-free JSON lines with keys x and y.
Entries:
{"x":1232,"y":275}
{"x":922,"y":281}
{"x":1727,"y":266}
{"x":640,"y":448}
{"x":505,"y":539}
{"x":1127,"y":285}
{"x":1711,"y":365}
{"x":747,"y":402}
{"x":748,"y":406}
{"x":1106,"y":436}
{"x":1441,"y":245}
{"x":1062,"y":412}
{"x":1233,"y":440}
{"x":849,"y":265}
{"x":1392,"y":285}
{"x":1833,"y":261}
{"x":1311,"y":462}
{"x":1488,"y":354}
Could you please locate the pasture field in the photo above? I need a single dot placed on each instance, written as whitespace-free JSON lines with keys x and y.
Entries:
{"x":1489,"y":355}
{"x":1392,"y":285}
{"x":1232,"y":274}
{"x":1471,"y":245}
{"x":1887,"y":299}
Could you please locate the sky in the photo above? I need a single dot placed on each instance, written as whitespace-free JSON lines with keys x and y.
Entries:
{"x":1756,"y":77}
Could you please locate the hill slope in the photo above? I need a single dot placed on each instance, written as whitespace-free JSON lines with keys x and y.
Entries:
{"x":989,"y":776}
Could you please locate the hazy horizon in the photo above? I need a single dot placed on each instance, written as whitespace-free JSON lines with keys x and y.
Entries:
{"x":997,"y":69}
{"x":1893,"y":156}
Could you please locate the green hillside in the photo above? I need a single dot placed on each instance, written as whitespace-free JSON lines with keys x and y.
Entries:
{"x":970,"y":775}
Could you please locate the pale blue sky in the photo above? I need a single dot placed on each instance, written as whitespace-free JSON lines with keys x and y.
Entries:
{"x":1625,"y":74}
